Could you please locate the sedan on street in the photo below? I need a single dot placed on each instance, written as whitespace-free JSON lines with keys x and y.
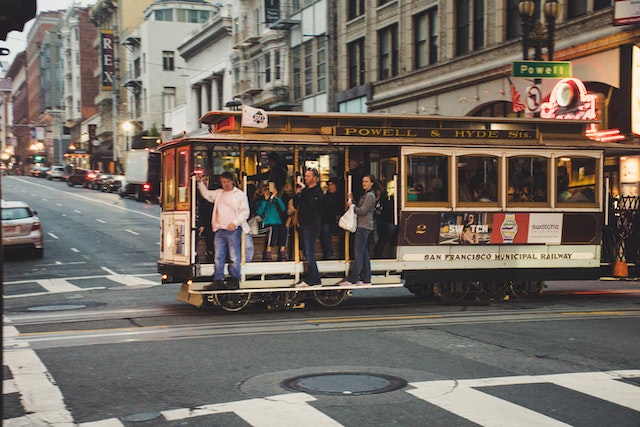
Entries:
{"x":21,"y":228}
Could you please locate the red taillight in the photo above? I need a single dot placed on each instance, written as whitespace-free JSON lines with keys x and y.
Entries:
{"x":146,"y":187}
{"x":35,"y":226}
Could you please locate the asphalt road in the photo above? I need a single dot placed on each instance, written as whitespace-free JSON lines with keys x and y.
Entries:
{"x":91,"y":338}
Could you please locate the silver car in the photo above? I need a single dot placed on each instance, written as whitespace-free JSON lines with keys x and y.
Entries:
{"x":21,"y":228}
{"x":56,"y":172}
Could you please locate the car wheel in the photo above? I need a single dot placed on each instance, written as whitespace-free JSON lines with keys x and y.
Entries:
{"x":38,"y":253}
{"x":70,"y":184}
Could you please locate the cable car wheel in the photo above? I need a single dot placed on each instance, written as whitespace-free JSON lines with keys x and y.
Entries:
{"x":495,"y":289}
{"x":233,"y":301}
{"x":282,"y":300}
{"x":451,"y":291}
{"x":329,"y":298}
{"x":527,"y":289}
{"x":422,"y":290}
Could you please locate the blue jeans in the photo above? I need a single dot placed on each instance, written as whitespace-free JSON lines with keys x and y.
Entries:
{"x":362,"y":263}
{"x":227,"y":242}
{"x":309,"y":236}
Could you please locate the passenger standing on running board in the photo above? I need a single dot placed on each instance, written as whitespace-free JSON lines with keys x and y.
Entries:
{"x":360,"y":272}
{"x":308,"y":202}
{"x":228,"y":221}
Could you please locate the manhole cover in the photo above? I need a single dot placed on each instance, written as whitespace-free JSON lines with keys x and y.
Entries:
{"x":344,"y":383}
{"x":141,"y":417}
{"x":57,"y":307}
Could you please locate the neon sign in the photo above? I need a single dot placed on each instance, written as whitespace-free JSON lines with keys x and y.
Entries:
{"x":569,"y":100}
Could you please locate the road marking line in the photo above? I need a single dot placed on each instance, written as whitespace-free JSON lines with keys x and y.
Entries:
{"x":9,"y":386}
{"x":39,"y":395}
{"x":66,"y":193}
{"x":132,"y":232}
{"x":97,"y":276}
{"x":274,"y":411}
{"x":101,"y":221}
{"x":53,"y":235}
{"x":128,"y":280}
{"x":75,"y":250}
{"x":77,"y":211}
{"x":603,"y":385}
{"x":111,"y":422}
{"x":478,"y":407}
{"x":461,"y":398}
{"x":58,"y":285}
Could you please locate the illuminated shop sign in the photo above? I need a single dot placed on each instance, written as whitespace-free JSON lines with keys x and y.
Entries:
{"x":569,"y":100}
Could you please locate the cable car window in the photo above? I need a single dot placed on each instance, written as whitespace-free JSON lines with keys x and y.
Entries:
{"x":427,"y":178}
{"x":168,"y":180}
{"x":478,"y":179}
{"x":183,"y":178}
{"x":527,"y":180}
{"x":576,"y":180}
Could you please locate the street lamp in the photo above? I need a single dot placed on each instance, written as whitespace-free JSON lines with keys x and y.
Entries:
{"x":533,"y":33}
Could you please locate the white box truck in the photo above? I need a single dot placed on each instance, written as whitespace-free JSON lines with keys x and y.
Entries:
{"x":142,"y":175}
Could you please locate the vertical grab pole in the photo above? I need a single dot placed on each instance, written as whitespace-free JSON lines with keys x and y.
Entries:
{"x":395,"y":200}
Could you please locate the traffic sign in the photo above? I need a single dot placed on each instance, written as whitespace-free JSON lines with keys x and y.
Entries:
{"x":533,"y":99}
{"x":541,"y":69}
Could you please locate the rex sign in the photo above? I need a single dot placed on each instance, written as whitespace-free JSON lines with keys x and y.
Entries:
{"x":107,"y":53}
{"x":541,"y":69}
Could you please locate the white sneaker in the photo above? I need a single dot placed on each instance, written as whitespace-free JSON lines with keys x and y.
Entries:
{"x":361,"y":283}
{"x":344,"y":282}
{"x":302,"y":284}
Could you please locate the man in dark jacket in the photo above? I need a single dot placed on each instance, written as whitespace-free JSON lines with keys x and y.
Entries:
{"x":308,"y":202}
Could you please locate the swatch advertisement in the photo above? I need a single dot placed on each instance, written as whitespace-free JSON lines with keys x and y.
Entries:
{"x":474,"y":228}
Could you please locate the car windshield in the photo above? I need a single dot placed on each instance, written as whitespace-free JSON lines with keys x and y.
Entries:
{"x":15,"y":213}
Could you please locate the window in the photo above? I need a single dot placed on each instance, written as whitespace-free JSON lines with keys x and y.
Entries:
{"x":168,"y":60}
{"x":601,"y":4}
{"x":164,"y":15}
{"x":355,"y":51}
{"x":425,"y":35}
{"x":297,"y":72}
{"x":576,"y":180}
{"x":478,"y":24}
{"x":428,"y":178}
{"x":462,"y":27}
{"x":576,"y":8}
{"x":168,"y":180}
{"x":193,"y":16}
{"x":308,"y":68}
{"x":513,"y":24}
{"x":321,"y":66}
{"x":388,"y":52}
{"x":470,"y":25}
{"x":277,"y":59}
{"x":356,"y":8}
{"x":169,"y":98}
{"x":183,"y":178}
{"x":267,"y":67}
{"x":527,"y":180}
{"x":478,"y":179}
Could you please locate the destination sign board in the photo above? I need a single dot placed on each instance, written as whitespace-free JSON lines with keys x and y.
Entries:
{"x":399,"y":132}
{"x":541,"y":69}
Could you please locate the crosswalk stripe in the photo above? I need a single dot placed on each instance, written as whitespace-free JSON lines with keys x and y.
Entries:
{"x":478,"y":407}
{"x":128,"y":280}
{"x":286,"y":410}
{"x":111,"y":422}
{"x":58,"y":285}
{"x":603,"y":385}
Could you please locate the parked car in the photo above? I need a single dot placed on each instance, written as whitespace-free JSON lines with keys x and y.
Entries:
{"x":81,"y":177}
{"x":21,"y":228}
{"x":56,"y":172}
{"x":38,"y":171}
{"x":115,"y":183}
{"x":100,"y":181}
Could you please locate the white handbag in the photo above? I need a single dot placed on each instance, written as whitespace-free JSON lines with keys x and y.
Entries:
{"x":349,"y":221}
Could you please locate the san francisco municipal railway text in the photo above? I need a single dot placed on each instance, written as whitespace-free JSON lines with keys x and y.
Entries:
{"x":495,"y":257}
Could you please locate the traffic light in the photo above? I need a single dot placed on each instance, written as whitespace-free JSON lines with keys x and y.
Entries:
{"x":37,"y":158}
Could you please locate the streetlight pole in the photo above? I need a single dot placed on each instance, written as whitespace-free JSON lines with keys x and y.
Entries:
{"x":534,"y":34}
